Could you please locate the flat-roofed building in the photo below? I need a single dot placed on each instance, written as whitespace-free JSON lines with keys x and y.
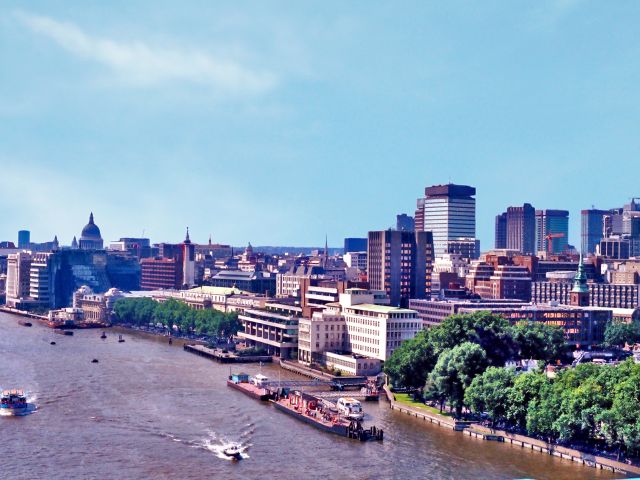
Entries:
{"x":274,"y":328}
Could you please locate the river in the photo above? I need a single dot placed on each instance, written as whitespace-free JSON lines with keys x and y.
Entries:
{"x":152,"y":410}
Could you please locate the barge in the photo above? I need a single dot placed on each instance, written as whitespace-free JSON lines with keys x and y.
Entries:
{"x":320,"y":414}
{"x":248,"y":386}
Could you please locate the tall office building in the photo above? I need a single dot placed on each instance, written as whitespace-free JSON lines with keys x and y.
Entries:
{"x":519,"y":227}
{"x":24,"y":238}
{"x":501,"y":231}
{"x":553,"y":226}
{"x":449,"y":212}
{"x":400,"y":263}
{"x":591,"y":229}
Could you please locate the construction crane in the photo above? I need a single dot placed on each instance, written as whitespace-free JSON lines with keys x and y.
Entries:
{"x":549,"y":237}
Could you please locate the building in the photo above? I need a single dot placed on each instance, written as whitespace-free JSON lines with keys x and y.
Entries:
{"x":377,"y":330}
{"x":600,"y":294}
{"x":449,"y":212}
{"x":96,"y":307}
{"x":160,"y":273}
{"x":582,"y":326}
{"x":124,"y":270}
{"x":90,"y":239}
{"x":188,"y":262}
{"x":288,"y":284}
{"x":18,"y":278}
{"x":355,"y":245}
{"x":400,"y":264}
{"x":24,"y":239}
{"x":552,"y":226}
{"x":467,"y":248}
{"x":615,"y":247}
{"x":499,"y":281}
{"x":591,"y":229}
{"x":324,"y":331}
{"x":405,"y":223}
{"x":517,"y":227}
{"x":41,"y":280}
{"x":501,"y":231}
{"x":255,"y":282}
{"x":356,"y":260}
{"x":274,"y":329}
{"x":136,"y":247}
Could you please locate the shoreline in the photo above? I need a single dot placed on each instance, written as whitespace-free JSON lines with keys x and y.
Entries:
{"x":475,"y":430}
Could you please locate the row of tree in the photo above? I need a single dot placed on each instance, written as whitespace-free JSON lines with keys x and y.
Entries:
{"x":593,"y":405}
{"x":461,"y":363}
{"x":145,"y":311}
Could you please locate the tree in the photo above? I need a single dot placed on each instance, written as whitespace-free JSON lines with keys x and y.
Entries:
{"x":539,"y":341}
{"x":618,"y":333}
{"x":453,"y":373}
{"x":490,"y":392}
{"x":491,"y":332}
{"x":524,"y":392}
{"x":410,"y":364}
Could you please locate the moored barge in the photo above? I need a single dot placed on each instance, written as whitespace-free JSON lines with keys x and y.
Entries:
{"x":316,"y":412}
{"x":250,"y":387}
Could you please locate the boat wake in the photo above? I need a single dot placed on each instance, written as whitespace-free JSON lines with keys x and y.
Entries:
{"x":31,"y":408}
{"x":217,"y":446}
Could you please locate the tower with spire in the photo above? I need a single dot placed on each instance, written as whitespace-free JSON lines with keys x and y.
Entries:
{"x":188,"y":262}
{"x":580,"y":291}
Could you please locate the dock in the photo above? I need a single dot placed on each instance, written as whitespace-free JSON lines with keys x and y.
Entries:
{"x":220,"y":357}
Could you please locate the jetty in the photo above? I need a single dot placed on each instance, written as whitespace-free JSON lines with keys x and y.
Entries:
{"x":229,"y":357}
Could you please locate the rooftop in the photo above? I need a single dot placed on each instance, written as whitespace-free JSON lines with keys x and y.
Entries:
{"x":370,"y":307}
{"x":218,"y":290}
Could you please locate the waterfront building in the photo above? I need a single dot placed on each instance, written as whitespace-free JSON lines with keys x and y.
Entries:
{"x":449,"y":212}
{"x":24,"y":239}
{"x":96,"y":307}
{"x":400,"y":264}
{"x":377,"y":330}
{"x":274,"y":329}
{"x":41,"y":276}
{"x":91,"y":239}
{"x":405,"y":223}
{"x":552,"y":226}
{"x":355,"y":245}
{"x":18,"y":277}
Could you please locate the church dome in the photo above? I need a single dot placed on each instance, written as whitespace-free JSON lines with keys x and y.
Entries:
{"x":91,"y":230}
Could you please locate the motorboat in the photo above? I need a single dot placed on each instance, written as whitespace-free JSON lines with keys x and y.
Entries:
{"x":233,"y":451}
{"x":120,"y":339}
{"x":350,"y":408}
{"x":13,"y":402}
{"x":103,"y":336}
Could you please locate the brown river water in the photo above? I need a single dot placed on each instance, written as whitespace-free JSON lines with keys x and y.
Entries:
{"x":151,"y":410}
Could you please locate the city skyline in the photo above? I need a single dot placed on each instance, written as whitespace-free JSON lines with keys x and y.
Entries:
{"x":228,"y":114}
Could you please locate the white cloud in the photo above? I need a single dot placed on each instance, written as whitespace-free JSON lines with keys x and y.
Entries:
{"x":140,"y":64}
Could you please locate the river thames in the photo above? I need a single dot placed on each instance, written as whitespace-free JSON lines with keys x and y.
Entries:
{"x":151,"y":410}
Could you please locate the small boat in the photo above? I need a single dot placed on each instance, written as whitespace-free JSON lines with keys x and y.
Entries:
{"x":52,"y":343}
{"x":120,"y":339}
{"x":68,"y":333}
{"x":13,"y":402}
{"x":24,"y":323}
{"x":170,"y":341}
{"x":95,"y":360}
{"x":233,"y":451}
{"x":103,"y":336}
{"x":350,"y":408}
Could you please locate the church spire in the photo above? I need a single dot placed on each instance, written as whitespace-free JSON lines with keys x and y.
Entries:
{"x":187,"y":239}
{"x":580,"y":280}
{"x":91,"y":218}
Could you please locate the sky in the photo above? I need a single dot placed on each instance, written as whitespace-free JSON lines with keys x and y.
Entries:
{"x":280,"y":122}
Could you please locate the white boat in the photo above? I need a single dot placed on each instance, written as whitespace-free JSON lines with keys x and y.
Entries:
{"x":13,"y":402}
{"x":259,"y":380}
{"x":350,"y":408}
{"x":233,"y":451}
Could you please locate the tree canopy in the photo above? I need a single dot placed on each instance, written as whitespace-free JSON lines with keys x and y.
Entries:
{"x":145,"y":311}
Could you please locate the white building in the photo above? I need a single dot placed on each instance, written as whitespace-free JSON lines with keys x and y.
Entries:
{"x":17,"y":283}
{"x":41,"y":278}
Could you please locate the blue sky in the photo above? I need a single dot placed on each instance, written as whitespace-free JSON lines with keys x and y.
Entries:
{"x":275,"y":122}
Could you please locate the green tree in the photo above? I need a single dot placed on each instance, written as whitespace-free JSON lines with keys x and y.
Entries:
{"x":453,"y":373}
{"x":539,"y":341}
{"x":490,"y":392}
{"x":491,"y":332}
{"x":618,"y":333}
{"x":524,"y":392}
{"x":410,"y":364}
